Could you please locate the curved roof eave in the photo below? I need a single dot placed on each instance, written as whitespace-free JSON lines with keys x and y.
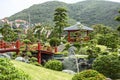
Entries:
{"x":76,"y":27}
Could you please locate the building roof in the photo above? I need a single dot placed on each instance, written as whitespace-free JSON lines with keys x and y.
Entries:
{"x":78,"y":26}
{"x":1,"y":35}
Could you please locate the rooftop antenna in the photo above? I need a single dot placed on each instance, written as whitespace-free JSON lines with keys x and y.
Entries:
{"x":29,"y":20}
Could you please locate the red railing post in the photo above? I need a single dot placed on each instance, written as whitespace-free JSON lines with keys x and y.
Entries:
{"x":2,"y":44}
{"x":56,"y":50}
{"x":39,"y":53}
{"x":17,"y":46}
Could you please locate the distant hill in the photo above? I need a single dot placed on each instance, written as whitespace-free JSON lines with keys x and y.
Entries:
{"x":88,"y":12}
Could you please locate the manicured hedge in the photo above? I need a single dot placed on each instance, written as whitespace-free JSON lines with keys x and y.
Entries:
{"x":54,"y":65}
{"x":89,"y":75}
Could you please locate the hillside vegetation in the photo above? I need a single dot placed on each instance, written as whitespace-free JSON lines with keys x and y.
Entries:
{"x":89,"y":12}
{"x":40,"y":73}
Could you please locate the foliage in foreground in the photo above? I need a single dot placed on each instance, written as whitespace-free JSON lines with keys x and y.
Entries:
{"x":54,"y":65}
{"x":89,"y":75}
{"x":109,"y":65}
{"x":9,"y":72}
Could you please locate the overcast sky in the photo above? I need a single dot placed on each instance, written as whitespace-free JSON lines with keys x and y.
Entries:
{"x":10,"y":7}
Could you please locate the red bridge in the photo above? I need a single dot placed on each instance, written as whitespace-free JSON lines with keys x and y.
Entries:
{"x":15,"y":47}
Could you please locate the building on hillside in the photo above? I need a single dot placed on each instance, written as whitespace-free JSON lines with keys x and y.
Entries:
{"x":78,"y":32}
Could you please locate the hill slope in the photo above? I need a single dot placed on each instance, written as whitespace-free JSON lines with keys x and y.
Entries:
{"x":88,"y":12}
{"x":40,"y":73}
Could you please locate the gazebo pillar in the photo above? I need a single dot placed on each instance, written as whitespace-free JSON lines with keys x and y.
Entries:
{"x":87,"y":32}
{"x":68,"y":36}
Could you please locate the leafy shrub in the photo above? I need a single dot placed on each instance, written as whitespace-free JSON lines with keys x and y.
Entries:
{"x":91,"y":53}
{"x":54,"y":42}
{"x":9,"y":72}
{"x":77,"y":45}
{"x":104,"y":53}
{"x":82,"y":51}
{"x":54,"y":65}
{"x":65,"y":53}
{"x":26,"y":41}
{"x":13,"y":55}
{"x":29,"y":54}
{"x":109,"y":65}
{"x":33,"y":60}
{"x":89,"y":75}
{"x":67,"y":45}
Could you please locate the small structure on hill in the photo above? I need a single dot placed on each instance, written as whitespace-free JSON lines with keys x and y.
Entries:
{"x":78,"y":32}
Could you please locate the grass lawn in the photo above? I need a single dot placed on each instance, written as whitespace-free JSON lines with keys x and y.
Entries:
{"x":40,"y":73}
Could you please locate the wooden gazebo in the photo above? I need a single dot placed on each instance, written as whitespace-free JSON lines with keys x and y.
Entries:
{"x":78,"y":32}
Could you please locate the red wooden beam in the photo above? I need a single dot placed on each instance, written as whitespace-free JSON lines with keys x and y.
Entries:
{"x":8,"y":50}
{"x":56,"y":49}
{"x":17,"y":46}
{"x":39,"y":53}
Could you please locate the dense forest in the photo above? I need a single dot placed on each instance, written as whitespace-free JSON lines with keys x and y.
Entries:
{"x":88,"y":12}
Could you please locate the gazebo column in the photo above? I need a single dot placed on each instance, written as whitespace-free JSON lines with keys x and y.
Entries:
{"x":68,"y":36}
{"x":87,"y":32}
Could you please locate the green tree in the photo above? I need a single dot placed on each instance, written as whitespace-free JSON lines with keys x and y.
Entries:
{"x":30,"y":35}
{"x":37,"y":30}
{"x":118,"y":29}
{"x":117,"y":18}
{"x":26,"y":41}
{"x":109,"y":65}
{"x":8,"y":33}
{"x":60,"y":19}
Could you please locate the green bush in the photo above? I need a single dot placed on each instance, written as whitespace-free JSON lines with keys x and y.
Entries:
{"x":67,"y":46}
{"x":9,"y":72}
{"x":13,"y":55}
{"x":109,"y":65}
{"x":28,"y":53}
{"x":91,"y":53}
{"x":83,"y":50}
{"x":104,"y":53}
{"x":26,"y":41}
{"x":54,"y":65}
{"x":54,"y":42}
{"x":65,"y":53}
{"x":33,"y":60}
{"x":77,"y":45}
{"x":89,"y":75}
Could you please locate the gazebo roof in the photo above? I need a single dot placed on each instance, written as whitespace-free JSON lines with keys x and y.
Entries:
{"x":78,"y":26}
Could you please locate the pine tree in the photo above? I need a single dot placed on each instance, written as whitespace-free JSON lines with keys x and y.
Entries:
{"x":60,"y":19}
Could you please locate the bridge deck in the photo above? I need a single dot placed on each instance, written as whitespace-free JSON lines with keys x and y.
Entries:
{"x":8,"y":50}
